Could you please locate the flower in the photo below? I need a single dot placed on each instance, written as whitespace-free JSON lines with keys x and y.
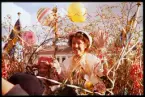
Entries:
{"x":100,"y":87}
{"x":137,"y":88}
{"x":136,"y":76}
{"x":136,"y":84}
{"x":88,"y":85}
{"x":136,"y":72}
{"x":5,"y":69}
{"x":29,"y":38}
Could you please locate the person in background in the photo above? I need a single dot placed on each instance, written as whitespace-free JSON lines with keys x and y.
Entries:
{"x":48,"y":68}
{"x":9,"y":89}
{"x":22,"y":84}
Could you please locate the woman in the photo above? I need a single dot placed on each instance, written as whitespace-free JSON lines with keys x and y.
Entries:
{"x":83,"y":68}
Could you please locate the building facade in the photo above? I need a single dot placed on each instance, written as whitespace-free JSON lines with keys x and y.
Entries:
{"x":63,"y":52}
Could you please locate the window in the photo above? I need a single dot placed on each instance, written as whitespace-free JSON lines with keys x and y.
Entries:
{"x":63,"y":58}
{"x":58,"y":59}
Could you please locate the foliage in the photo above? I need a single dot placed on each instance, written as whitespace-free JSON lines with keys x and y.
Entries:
{"x":119,"y":49}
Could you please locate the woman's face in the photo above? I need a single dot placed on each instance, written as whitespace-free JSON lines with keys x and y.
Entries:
{"x":43,"y":69}
{"x":78,"y":46}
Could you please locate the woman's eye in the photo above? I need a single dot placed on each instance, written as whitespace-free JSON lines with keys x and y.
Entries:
{"x":73,"y":43}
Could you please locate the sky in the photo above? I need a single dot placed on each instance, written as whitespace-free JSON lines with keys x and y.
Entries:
{"x":32,"y":7}
{"x":29,"y":9}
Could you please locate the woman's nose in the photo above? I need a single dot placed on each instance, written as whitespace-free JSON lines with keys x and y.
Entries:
{"x":75,"y":45}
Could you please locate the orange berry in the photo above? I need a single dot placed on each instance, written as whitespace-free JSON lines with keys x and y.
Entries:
{"x":88,"y":85}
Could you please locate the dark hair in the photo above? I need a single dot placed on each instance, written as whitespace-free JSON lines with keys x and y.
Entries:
{"x":79,"y":35}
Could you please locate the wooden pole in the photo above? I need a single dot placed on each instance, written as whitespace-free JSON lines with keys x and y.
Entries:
{"x":55,"y":30}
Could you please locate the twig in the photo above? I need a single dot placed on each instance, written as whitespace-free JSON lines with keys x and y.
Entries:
{"x":72,"y":86}
{"x":132,"y":47}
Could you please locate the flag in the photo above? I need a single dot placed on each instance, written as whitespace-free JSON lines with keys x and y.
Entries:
{"x":131,"y":24}
{"x":9,"y":47}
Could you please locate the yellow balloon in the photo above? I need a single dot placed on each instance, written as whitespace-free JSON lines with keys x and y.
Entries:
{"x":78,"y":18}
{"x":77,"y":12}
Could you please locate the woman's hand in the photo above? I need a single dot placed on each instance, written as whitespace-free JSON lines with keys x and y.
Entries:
{"x":100,"y":39}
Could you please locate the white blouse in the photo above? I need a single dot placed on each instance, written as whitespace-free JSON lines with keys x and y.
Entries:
{"x":90,"y":63}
